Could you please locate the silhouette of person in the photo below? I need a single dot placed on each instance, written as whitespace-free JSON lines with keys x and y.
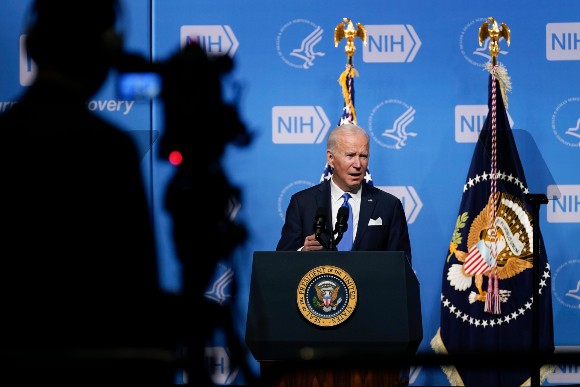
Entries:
{"x":79,"y":285}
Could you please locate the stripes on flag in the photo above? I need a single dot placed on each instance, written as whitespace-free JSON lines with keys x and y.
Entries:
{"x":479,"y":259}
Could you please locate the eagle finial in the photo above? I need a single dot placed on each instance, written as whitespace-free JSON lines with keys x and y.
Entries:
{"x":350,"y":33}
{"x":494,"y":34}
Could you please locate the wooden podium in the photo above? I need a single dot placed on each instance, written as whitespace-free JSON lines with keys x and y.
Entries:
{"x":284,"y":374}
{"x":293,"y":351}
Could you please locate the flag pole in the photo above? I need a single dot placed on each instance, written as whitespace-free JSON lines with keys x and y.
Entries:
{"x":346,"y":82}
{"x":350,"y":34}
{"x":490,"y":29}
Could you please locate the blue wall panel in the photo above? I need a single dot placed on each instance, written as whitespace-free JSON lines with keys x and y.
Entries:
{"x":423,"y":57}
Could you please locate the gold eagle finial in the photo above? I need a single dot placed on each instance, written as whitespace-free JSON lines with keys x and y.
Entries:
{"x":350,"y":33}
{"x":494,"y":34}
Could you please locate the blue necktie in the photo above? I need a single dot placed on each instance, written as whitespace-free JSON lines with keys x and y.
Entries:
{"x":345,"y":243}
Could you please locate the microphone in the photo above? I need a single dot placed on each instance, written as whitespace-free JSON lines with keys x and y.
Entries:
{"x":341,"y":223}
{"x":320,"y":221}
{"x":320,"y":225}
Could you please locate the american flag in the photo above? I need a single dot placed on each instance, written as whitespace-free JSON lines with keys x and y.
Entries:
{"x":348,"y":114}
{"x":347,"y":83}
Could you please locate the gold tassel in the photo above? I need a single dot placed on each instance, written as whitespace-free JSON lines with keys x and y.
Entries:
{"x":505,"y":83}
{"x":350,"y":71}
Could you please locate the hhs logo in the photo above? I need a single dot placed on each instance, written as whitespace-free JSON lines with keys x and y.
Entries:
{"x":563,"y":41}
{"x":215,"y":40}
{"x":470,"y":49}
{"x":564,"y":204}
{"x":286,"y":194}
{"x":391,"y":44}
{"x":469,"y":120}
{"x":390,"y":124}
{"x":566,"y":122}
{"x":566,"y":284}
{"x":299,"y":124}
{"x":296,"y":43}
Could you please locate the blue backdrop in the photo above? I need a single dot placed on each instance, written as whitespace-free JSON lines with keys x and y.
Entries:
{"x":421,"y":93}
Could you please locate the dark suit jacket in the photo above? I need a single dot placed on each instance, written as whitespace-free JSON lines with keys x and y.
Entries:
{"x":391,"y":235}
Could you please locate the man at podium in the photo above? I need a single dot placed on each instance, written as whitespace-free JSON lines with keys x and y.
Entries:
{"x":346,"y":213}
{"x":378,"y":218}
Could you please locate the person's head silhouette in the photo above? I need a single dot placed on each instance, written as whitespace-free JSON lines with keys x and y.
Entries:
{"x":75,"y":41}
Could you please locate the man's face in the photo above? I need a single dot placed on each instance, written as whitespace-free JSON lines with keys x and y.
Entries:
{"x":350,"y":162}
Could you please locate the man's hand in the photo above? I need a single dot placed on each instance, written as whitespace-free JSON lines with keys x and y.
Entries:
{"x":311,"y":244}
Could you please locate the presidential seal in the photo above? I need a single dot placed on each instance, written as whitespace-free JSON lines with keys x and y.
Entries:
{"x":326,"y":296}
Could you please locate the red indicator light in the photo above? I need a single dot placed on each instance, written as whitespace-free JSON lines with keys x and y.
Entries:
{"x":175,"y":158}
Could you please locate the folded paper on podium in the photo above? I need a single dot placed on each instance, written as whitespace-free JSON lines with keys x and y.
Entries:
{"x":378,"y":314}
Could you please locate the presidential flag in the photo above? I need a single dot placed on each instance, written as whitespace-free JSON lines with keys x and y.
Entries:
{"x":488,"y":277}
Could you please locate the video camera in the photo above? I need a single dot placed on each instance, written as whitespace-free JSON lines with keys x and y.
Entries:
{"x":141,"y":80}
{"x":190,"y":86}
{"x":198,"y":124}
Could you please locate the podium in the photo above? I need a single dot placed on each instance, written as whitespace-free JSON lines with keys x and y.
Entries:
{"x":382,"y":321}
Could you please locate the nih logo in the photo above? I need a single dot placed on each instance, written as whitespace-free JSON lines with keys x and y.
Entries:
{"x":563,"y":41}
{"x":220,"y":365}
{"x":214,"y":40}
{"x":391,"y":44}
{"x":299,"y":124}
{"x":565,"y":373}
{"x":564,"y":204}
{"x":469,"y":120}
{"x":412,"y":204}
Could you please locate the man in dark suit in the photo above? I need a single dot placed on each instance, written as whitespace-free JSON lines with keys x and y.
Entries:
{"x":79,"y":283}
{"x":379,"y":218}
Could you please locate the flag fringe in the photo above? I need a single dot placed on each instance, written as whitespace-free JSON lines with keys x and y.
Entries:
{"x":449,"y":370}
{"x":505,"y":82}
{"x":453,"y":375}
{"x":545,"y":371}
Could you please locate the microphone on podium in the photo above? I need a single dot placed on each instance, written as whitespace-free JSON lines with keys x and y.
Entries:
{"x":320,"y":225}
{"x":341,"y":224}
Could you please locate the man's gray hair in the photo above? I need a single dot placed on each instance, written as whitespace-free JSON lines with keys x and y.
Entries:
{"x":332,"y":141}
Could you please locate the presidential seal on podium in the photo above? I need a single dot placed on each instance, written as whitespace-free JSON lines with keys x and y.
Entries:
{"x":326,"y":296}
